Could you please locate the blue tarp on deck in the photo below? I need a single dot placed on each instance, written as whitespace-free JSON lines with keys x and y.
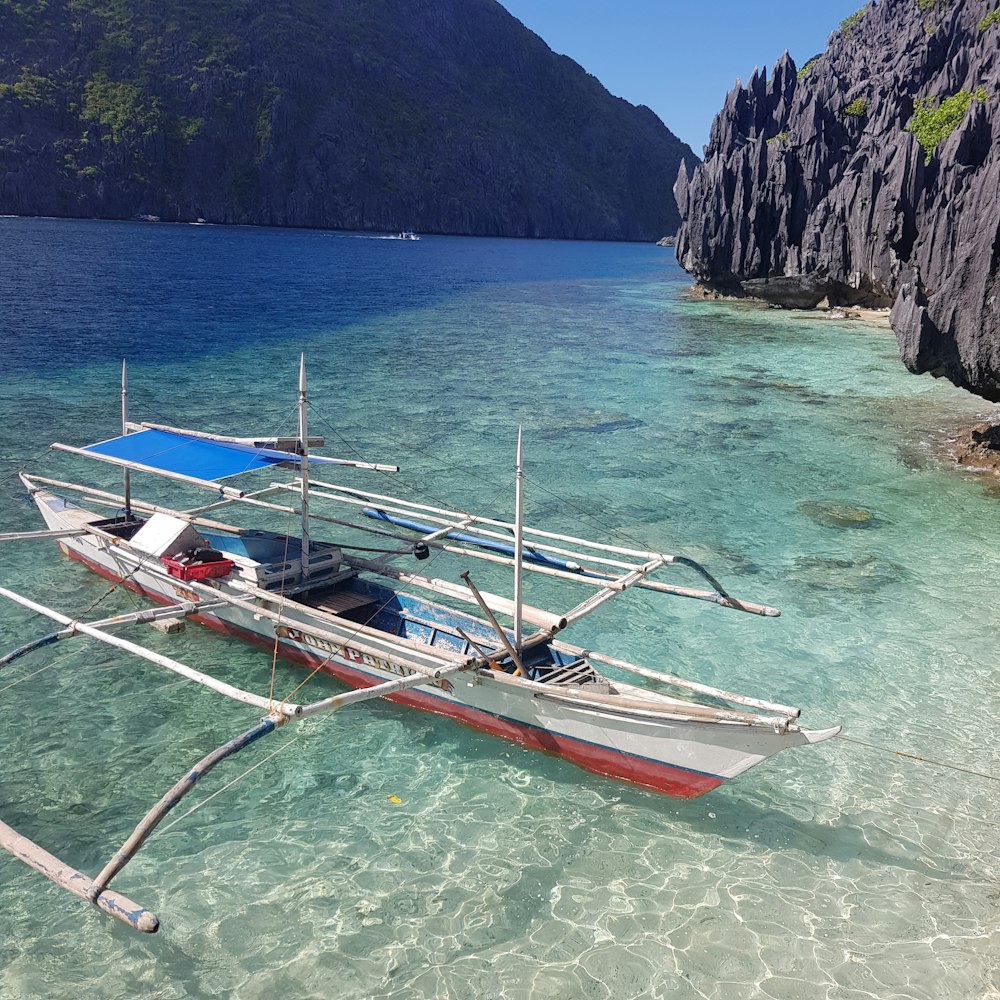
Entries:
{"x":190,"y":456}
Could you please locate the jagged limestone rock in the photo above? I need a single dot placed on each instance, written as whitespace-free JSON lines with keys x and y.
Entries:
{"x":814,"y":180}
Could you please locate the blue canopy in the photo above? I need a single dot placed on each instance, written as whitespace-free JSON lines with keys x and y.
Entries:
{"x":191,"y":456}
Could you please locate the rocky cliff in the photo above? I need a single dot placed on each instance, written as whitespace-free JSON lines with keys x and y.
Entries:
{"x":439,"y":115}
{"x":869,"y":176}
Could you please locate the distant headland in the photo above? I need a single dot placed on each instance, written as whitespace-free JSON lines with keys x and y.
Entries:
{"x":449,"y":117}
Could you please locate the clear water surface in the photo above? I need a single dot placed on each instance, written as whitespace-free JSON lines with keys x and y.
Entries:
{"x":791,"y":453}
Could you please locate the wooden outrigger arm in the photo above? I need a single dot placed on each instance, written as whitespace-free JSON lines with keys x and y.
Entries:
{"x":220,"y":687}
{"x":112,"y":903}
{"x":96,"y":890}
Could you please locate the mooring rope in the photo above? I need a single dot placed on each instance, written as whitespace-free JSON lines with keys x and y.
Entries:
{"x":281,"y":608}
{"x":922,"y":760}
{"x":40,"y":670}
{"x":228,"y":785}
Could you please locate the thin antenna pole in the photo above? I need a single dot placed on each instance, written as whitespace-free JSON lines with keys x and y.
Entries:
{"x":518,"y":540}
{"x":304,"y":470}
{"x":127,"y":491}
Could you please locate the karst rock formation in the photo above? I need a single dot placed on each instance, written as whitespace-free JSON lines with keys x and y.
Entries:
{"x":870,"y":176}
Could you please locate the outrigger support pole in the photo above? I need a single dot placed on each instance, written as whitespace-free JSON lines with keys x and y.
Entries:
{"x":156,"y":815}
{"x":511,"y":652}
{"x":303,"y":450}
{"x":94,"y":632}
{"x":518,"y":541}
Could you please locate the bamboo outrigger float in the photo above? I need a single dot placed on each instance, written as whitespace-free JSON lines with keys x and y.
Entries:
{"x":363,"y":620}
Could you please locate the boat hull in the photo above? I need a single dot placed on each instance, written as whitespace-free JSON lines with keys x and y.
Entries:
{"x":675,"y":757}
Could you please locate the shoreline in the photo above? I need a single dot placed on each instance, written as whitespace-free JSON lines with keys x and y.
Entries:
{"x":969,"y":448}
{"x":869,"y":315}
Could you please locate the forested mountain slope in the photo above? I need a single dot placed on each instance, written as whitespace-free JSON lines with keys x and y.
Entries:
{"x":439,"y":115}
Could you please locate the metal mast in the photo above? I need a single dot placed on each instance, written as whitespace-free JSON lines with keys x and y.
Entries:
{"x":518,"y":540}
{"x":127,"y":489}
{"x":304,"y":469}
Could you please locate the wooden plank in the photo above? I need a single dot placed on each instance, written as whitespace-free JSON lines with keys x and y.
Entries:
{"x":337,"y":602}
{"x":113,"y":903}
{"x":24,"y":536}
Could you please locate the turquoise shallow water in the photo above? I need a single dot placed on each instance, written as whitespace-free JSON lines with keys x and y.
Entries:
{"x":749,"y":439}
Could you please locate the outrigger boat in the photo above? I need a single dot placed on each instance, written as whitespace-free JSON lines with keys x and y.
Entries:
{"x":386,"y":630}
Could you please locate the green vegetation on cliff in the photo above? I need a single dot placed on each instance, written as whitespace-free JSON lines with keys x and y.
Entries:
{"x":934,"y":121}
{"x":850,"y":22}
{"x":993,"y":17}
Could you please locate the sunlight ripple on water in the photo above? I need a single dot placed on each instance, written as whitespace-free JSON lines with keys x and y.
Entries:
{"x":383,"y":853}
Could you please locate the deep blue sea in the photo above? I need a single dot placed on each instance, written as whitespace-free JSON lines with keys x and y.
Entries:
{"x":383,"y":853}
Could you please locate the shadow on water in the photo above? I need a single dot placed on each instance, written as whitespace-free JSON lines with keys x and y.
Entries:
{"x":738,"y":820}
{"x":727,"y":815}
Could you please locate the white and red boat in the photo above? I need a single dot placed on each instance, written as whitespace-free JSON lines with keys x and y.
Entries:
{"x":384,"y":628}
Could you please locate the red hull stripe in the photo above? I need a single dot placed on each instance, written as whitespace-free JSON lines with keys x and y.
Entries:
{"x":654,"y":775}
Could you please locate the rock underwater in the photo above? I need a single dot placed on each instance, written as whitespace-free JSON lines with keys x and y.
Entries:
{"x":869,"y":177}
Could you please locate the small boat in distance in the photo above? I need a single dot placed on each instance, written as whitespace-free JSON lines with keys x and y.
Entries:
{"x":406,"y":234}
{"x":380,"y":624}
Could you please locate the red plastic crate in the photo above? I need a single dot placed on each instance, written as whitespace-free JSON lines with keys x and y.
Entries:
{"x":198,"y":571}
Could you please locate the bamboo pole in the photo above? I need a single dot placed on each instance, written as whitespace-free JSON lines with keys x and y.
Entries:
{"x":303,"y":444}
{"x":143,"y":616}
{"x":658,"y":705}
{"x":578,"y":572}
{"x":269,"y":443}
{"x":382,"y":690}
{"x":400,"y":646}
{"x":589,"y":576}
{"x":146,"y":615}
{"x":252,"y":498}
{"x":505,"y":525}
{"x":675,"y":681}
{"x":220,"y":687}
{"x":537,"y":616}
{"x":676,"y":710}
{"x":611,"y":589}
{"x":75,"y":882}
{"x":142,"y":505}
{"x":156,"y":815}
{"x":127,"y":488}
{"x":585,"y":575}
{"x":25,"y":536}
{"x":518,"y":539}
{"x":204,"y":484}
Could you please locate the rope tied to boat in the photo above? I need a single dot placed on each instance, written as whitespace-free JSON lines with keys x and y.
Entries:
{"x":921,"y":760}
